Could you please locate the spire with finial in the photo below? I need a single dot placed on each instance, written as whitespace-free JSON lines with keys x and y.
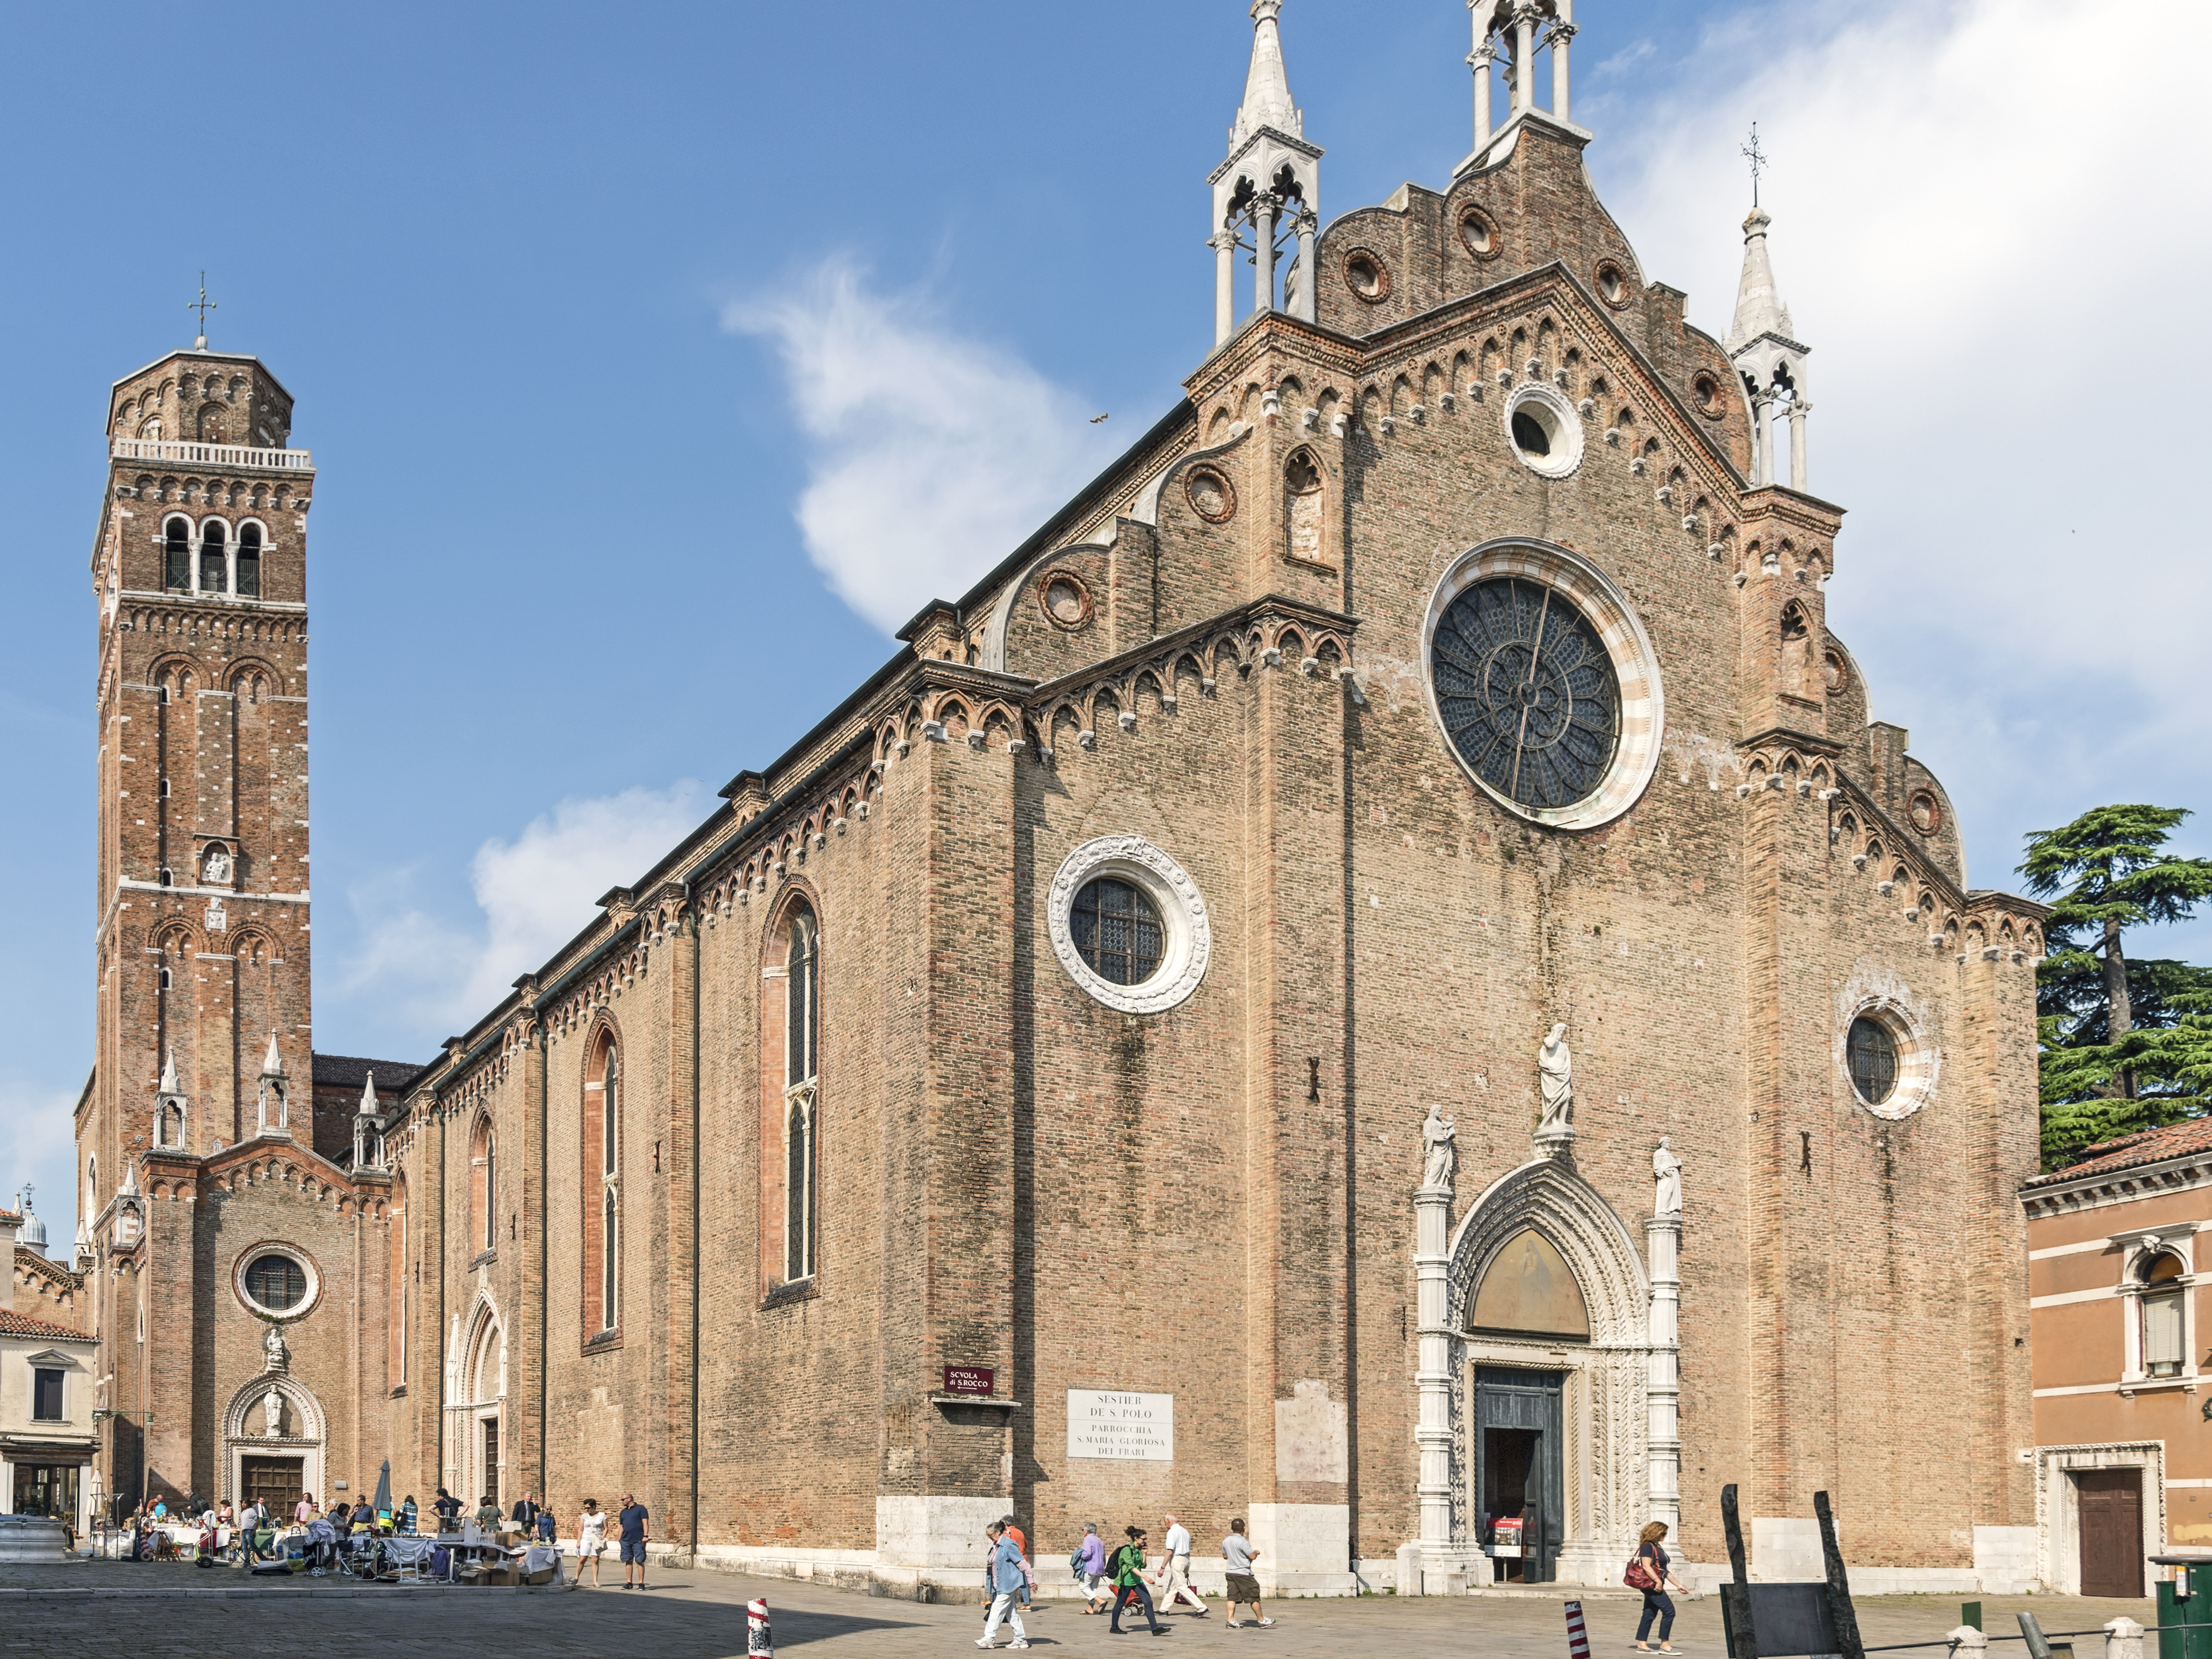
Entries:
{"x":369,"y":1106}
{"x":1267,"y":83}
{"x":1763,"y":344}
{"x":35,"y":1231}
{"x":1266,"y":194}
{"x":169,"y":1084}
{"x":272,"y":1064}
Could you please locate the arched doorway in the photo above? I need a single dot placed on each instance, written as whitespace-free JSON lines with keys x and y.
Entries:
{"x":274,"y":1440}
{"x":476,"y":1454}
{"x":1548,"y":1377}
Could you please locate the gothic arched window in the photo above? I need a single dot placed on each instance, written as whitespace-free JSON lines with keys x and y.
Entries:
{"x":249,"y":562}
{"x":215,"y":558}
{"x":483,"y":1189}
{"x":602,"y":1191}
{"x":802,"y":1103}
{"x":177,"y":556}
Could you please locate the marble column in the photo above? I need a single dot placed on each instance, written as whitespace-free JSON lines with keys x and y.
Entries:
{"x":1305,"y":303}
{"x":1798,"y":410}
{"x":1524,"y":57}
{"x":1559,"y":34}
{"x":1763,"y":463}
{"x":1264,"y":207}
{"x":1224,"y":244}
{"x":1432,"y":1434}
{"x":1663,"y":1244}
{"x":1483,"y":59}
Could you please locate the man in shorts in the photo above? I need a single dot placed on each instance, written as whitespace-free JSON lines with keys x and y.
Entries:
{"x":1237,"y":1551}
{"x":635,"y":1527}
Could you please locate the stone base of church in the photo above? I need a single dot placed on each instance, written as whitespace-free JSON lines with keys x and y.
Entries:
{"x":1304,"y":1549}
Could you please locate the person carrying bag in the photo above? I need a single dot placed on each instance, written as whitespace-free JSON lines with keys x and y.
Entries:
{"x":1647,"y":1572}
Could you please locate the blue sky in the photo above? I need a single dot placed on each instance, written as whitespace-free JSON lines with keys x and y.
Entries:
{"x":586,"y":308}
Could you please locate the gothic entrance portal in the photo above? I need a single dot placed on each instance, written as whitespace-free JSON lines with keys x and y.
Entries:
{"x":1520,"y":1470}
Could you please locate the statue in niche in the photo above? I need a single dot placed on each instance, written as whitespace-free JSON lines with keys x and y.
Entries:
{"x":1555,"y":1072}
{"x":279,"y":1356}
{"x":218,"y":866}
{"x":272,"y":1415}
{"x":1666,"y":1173}
{"x":1437,"y":1136}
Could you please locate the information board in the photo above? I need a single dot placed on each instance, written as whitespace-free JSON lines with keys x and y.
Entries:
{"x":1131,"y":1427}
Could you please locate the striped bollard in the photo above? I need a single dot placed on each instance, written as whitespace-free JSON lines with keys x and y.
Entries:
{"x":759,"y":1640}
{"x":1577,"y":1638}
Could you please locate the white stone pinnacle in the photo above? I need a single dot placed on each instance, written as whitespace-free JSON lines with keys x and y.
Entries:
{"x":1758,"y":307}
{"x":369,"y":1106}
{"x":1267,"y":87}
{"x":168,"y":1085}
{"x":273,"y":1065}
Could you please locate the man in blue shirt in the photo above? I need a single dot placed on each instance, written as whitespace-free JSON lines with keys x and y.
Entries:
{"x":634,"y":1520}
{"x":1003,"y":1578}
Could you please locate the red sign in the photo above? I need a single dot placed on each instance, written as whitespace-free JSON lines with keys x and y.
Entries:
{"x":969,"y":1379}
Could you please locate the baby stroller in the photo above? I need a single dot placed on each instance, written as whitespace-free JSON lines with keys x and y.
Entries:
{"x":322,"y":1550}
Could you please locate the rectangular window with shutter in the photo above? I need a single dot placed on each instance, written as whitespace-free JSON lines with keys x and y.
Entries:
{"x":2161,"y":1333}
{"x":46,"y":1394}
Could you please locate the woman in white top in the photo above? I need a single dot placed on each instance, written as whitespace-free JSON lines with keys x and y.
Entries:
{"x":590,"y":1539}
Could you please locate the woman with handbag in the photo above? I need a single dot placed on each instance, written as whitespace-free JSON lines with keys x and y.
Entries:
{"x":1647,"y":1572}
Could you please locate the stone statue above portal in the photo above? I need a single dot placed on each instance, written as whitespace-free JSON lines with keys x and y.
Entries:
{"x":1437,"y":1134}
{"x":1555,"y":1072}
{"x":1666,"y":1173}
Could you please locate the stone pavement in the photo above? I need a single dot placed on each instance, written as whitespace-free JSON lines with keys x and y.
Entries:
{"x":98,"y":1610}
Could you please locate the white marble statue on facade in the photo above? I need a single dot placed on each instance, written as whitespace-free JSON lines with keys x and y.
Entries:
{"x":1437,"y":1134}
{"x":1555,"y":1072}
{"x":1666,"y":1173}
{"x":279,"y":1356}
{"x":272,"y":1415}
{"x":218,"y":866}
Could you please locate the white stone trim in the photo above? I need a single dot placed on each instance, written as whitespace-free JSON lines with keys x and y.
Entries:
{"x":1188,"y":947}
{"x":1564,"y":428}
{"x":291,"y":1252}
{"x":1635,"y":665}
{"x":2058,"y":1553}
{"x":1876,"y":991}
{"x":2186,"y":1173}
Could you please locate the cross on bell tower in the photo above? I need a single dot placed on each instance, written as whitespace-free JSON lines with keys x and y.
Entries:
{"x":203,"y":305}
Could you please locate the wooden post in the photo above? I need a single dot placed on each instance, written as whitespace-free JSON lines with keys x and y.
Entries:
{"x":1840,"y":1612}
{"x":1735,"y":1597}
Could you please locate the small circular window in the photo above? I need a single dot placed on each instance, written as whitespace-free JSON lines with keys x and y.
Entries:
{"x":1705,"y":388}
{"x":1212,"y":496}
{"x":1063,"y":599}
{"x":1871,"y":1052}
{"x":1127,"y":923}
{"x":1925,"y":812}
{"x":1480,"y":232}
{"x":1366,"y":275}
{"x":1613,"y":284}
{"x":1118,"y":932}
{"x":1544,"y":431}
{"x":276,"y":1283}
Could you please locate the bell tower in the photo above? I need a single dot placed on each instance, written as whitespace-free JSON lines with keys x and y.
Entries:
{"x":1269,"y":189}
{"x":199,"y":574}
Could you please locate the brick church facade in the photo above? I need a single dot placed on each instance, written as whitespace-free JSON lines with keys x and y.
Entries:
{"x":1375,"y":975}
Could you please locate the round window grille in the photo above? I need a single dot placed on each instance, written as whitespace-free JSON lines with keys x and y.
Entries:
{"x":1129,"y":924}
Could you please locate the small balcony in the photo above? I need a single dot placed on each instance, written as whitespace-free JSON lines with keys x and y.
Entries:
{"x":182,"y":452}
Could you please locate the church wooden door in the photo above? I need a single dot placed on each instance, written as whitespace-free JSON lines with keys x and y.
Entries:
{"x":1518,"y":1472}
{"x":2112,"y":1532}
{"x":272,"y":1482}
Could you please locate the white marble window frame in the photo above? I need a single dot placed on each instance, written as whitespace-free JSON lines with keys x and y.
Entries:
{"x":1187,"y":948}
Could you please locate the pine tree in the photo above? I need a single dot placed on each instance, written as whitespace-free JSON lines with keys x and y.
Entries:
{"x":2125,"y":1044}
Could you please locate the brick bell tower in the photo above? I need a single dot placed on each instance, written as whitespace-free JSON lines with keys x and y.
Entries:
{"x":199,"y":567}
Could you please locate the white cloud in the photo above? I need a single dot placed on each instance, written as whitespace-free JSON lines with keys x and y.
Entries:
{"x":1989,"y":231}
{"x":933,"y":454}
{"x":37,"y":1144}
{"x":418,"y":976}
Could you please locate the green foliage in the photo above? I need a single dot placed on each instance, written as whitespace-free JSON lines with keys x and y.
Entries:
{"x":2108,"y":870}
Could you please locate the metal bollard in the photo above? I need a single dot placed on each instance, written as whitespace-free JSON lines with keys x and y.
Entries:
{"x":1577,"y":1638}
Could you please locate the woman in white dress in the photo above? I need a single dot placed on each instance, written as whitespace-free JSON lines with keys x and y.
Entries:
{"x":590,"y":1540}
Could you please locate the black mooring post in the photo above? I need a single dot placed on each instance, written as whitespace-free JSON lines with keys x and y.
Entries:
{"x":1841,"y":1613}
{"x":1735,"y":1598}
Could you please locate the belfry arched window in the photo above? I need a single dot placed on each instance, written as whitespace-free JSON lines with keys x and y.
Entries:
{"x":249,"y":562}
{"x":215,"y":558}
{"x":801,"y":1090}
{"x":602,"y":1187}
{"x":177,"y":556}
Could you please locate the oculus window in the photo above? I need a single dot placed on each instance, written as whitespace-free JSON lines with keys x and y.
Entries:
{"x":1871,"y":1052}
{"x":1527,"y":691}
{"x":276,"y":1283}
{"x":1117,"y":931}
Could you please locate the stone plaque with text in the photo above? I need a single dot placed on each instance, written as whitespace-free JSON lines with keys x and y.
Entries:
{"x":1131,"y":1427}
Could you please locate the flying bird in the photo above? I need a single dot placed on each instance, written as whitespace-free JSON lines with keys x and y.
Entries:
{"x":1094,"y":419}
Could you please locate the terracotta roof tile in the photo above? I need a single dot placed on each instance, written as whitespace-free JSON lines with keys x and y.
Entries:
{"x":14,"y":1324}
{"x":2129,"y":1150}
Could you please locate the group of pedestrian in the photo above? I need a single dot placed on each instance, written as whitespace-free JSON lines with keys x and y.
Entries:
{"x":631,"y":1524}
{"x":1110,"y":1584}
